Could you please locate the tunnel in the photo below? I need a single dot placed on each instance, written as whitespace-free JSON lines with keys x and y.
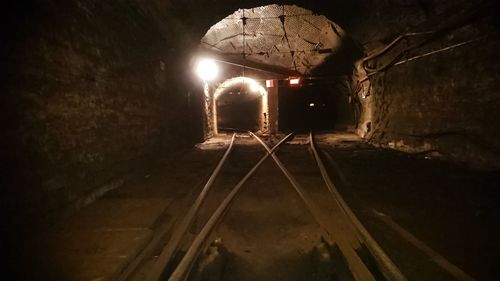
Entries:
{"x":238,"y":110}
{"x":240,"y":104}
{"x":314,"y":106}
{"x":360,"y":140}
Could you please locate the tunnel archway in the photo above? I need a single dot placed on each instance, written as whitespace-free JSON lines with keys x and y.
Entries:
{"x":240,"y":103}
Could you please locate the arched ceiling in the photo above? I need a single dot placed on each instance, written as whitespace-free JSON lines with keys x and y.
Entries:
{"x":288,"y":36}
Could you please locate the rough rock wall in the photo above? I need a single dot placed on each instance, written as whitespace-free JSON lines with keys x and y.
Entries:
{"x":91,"y":90}
{"x":86,"y":99}
{"x":445,"y":99}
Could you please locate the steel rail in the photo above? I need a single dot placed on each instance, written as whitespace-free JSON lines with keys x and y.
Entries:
{"x":193,"y":251}
{"x":181,"y":229}
{"x":358,"y":268}
{"x":296,"y":185}
{"x":390,"y":271}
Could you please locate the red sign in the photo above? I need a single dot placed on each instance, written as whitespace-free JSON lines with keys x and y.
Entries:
{"x":294,"y":81}
{"x":269,"y":83}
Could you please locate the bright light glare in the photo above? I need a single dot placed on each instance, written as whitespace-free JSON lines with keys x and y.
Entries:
{"x":254,"y":86}
{"x":207,"y":69}
{"x":312,"y":104}
{"x":250,"y":83}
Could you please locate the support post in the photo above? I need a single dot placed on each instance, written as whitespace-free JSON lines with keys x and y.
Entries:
{"x":272,"y":96}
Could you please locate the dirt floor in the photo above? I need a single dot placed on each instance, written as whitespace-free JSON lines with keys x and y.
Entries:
{"x":452,"y":209}
{"x":268,"y":233}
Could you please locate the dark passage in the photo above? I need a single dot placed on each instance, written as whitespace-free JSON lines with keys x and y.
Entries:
{"x":239,"y":109}
{"x":313,"y":106}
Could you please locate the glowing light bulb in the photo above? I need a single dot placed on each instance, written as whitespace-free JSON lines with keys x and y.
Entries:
{"x":207,"y":69}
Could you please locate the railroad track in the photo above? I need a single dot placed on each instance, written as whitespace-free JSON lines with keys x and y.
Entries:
{"x":344,"y":249}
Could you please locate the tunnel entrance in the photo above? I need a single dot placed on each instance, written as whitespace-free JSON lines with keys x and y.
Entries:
{"x":238,"y":110}
{"x":306,"y":108}
{"x":317,"y":106}
{"x":240,"y":104}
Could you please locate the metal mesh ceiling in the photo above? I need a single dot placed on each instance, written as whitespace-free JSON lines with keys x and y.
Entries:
{"x":286,"y":36}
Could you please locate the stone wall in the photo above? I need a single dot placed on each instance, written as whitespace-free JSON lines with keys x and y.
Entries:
{"x":87,"y":94}
{"x":92,"y":90}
